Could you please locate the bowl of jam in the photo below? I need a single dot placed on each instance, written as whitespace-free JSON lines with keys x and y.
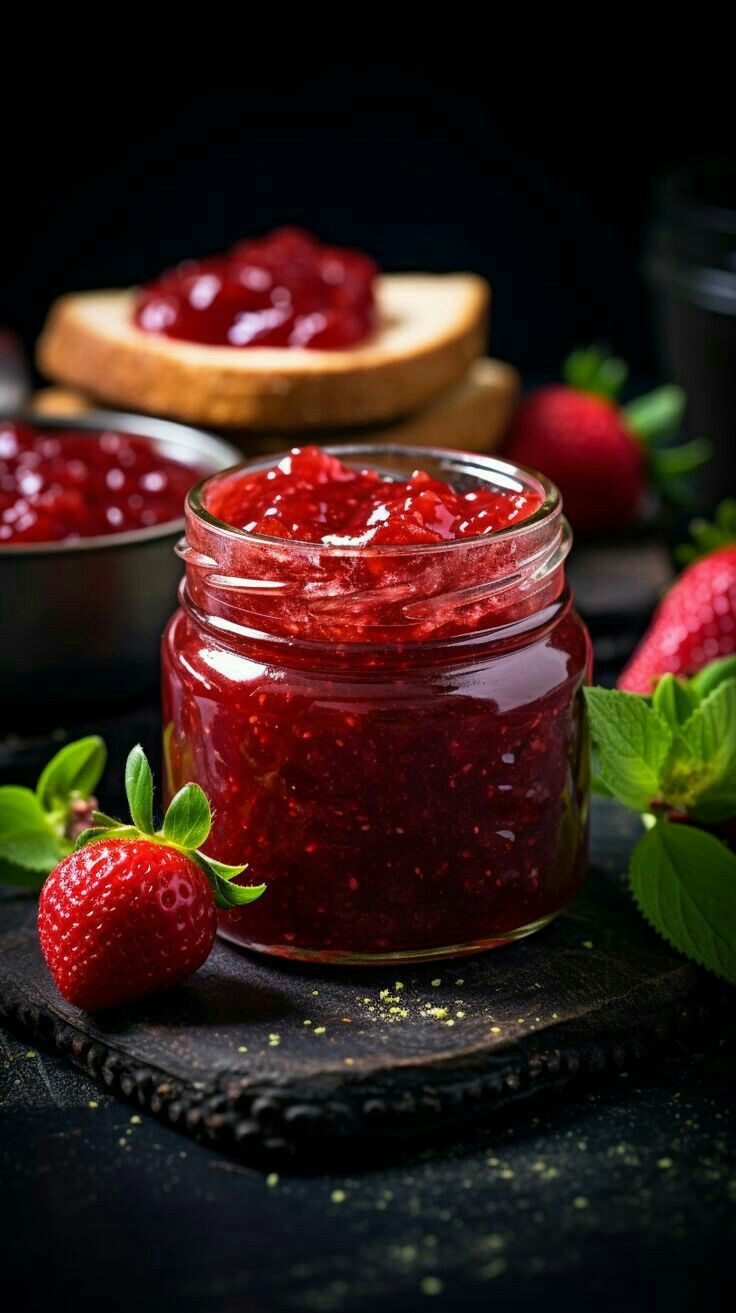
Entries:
{"x":90,"y":511}
{"x":376,"y":675}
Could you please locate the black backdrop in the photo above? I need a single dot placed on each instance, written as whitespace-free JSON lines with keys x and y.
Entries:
{"x":504,"y":160}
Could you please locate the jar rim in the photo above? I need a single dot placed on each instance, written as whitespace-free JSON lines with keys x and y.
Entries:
{"x":502,"y":473}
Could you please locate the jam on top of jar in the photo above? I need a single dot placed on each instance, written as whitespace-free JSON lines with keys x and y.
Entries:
{"x":286,"y":289}
{"x":311,"y":496}
{"x":60,"y":485}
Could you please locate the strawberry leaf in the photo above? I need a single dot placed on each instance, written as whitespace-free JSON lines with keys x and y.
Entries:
{"x":139,"y":789}
{"x":657,"y":414}
{"x":74,"y":771}
{"x":592,"y":370}
{"x":188,"y":820}
{"x":709,"y":537}
{"x":632,"y":740}
{"x":107,"y":822}
{"x":684,"y":881}
{"x":220,"y":868}
{"x":98,"y":833}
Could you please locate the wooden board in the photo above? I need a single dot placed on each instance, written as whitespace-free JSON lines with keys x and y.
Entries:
{"x":261,"y":1057}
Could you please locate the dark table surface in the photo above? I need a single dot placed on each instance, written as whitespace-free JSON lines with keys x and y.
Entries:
{"x":621,"y":1193}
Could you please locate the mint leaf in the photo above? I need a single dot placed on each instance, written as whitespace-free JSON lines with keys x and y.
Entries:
{"x":76,"y":769}
{"x":715,"y":673}
{"x":675,"y":699}
{"x":684,"y":881}
{"x":632,"y":740}
{"x":139,"y":789}
{"x":188,"y":820}
{"x":700,"y":773}
{"x":27,"y":838}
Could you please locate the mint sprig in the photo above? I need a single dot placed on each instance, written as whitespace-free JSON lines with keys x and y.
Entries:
{"x":684,"y":881}
{"x":672,"y":757}
{"x":38,"y":827}
{"x":186,"y":827}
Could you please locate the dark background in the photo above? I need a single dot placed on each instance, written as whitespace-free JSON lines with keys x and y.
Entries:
{"x":532,"y":167}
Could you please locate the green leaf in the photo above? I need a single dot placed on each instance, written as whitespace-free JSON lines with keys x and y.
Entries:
{"x":674,"y":462}
{"x":657,"y":414}
{"x":632,"y":740}
{"x":76,"y":769}
{"x":675,"y":699}
{"x":97,"y":834}
{"x":21,"y":876}
{"x":188,"y":820}
{"x":27,"y":838}
{"x":715,"y":673}
{"x":591,"y":369}
{"x":709,"y":537}
{"x":220,"y":877}
{"x":139,"y":789}
{"x":699,"y":775}
{"x":684,"y":881}
{"x":221,"y":869}
{"x":107,"y":822}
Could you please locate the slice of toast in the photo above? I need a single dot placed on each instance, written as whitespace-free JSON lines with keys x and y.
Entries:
{"x":431,"y":328}
{"x":472,"y":416}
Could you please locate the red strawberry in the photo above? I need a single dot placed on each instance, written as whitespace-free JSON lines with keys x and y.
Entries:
{"x":121,"y":919}
{"x":594,"y":450}
{"x":695,"y":623}
{"x":131,"y":911}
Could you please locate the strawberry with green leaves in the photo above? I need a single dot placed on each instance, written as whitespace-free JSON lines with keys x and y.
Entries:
{"x":672,"y":758}
{"x":696,"y":621}
{"x":128,"y":909}
{"x":603,"y":456}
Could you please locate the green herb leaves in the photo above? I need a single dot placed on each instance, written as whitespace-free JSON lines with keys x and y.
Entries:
{"x":632,"y":740}
{"x":186,"y":826}
{"x":36,"y":827}
{"x":672,"y":757}
{"x":684,"y":881}
{"x":673,"y":751}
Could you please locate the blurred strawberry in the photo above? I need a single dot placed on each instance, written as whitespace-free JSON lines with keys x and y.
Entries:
{"x":603,"y":456}
{"x":695,"y":623}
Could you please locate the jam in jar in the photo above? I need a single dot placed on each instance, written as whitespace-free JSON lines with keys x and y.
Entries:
{"x":286,"y":289}
{"x":376,"y":675}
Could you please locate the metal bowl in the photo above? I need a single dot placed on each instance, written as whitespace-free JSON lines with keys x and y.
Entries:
{"x":81,"y":622}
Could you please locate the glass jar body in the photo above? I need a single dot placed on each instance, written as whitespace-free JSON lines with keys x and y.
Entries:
{"x":424,"y":804}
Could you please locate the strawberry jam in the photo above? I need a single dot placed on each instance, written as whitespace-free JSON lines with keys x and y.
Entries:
{"x":61,"y":485}
{"x":314,"y":497}
{"x":286,"y":289}
{"x":390,"y":729}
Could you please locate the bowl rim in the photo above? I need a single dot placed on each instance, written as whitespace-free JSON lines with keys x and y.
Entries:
{"x":222,"y":455}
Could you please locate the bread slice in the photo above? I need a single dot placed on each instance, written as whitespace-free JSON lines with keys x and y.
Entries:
{"x":432,"y":327}
{"x":472,"y":416}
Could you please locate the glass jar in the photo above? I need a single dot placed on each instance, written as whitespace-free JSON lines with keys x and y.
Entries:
{"x":392,"y":737}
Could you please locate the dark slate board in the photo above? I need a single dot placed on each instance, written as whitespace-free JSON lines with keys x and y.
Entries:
{"x":229,"y":1056}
